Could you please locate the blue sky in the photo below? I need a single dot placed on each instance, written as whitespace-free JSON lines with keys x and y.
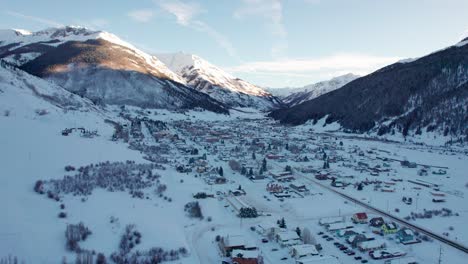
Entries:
{"x":267,"y":42}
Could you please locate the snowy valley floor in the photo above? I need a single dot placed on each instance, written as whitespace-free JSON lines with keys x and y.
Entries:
{"x":32,"y":148}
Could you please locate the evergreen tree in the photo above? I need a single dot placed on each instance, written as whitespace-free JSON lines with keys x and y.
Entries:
{"x":253,"y":156}
{"x":282,"y":223}
{"x":264,"y":164}
{"x":220,"y":171}
{"x":243,"y":170}
{"x":250,"y":172}
{"x":298,"y":231}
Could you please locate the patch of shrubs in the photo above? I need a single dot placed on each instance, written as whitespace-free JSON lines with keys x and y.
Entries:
{"x":193,"y":210}
{"x":202,"y":195}
{"x":427,"y":214}
{"x":74,"y":234}
{"x":116,"y":176}
{"x":130,"y":238}
{"x":248,"y":212}
{"x":69,"y":168}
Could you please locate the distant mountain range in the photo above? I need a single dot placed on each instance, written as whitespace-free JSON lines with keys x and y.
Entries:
{"x":428,"y":94}
{"x":295,"y":96}
{"x":100,"y":66}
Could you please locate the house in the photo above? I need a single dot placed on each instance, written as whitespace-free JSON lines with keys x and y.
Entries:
{"x":268,"y":229}
{"x":406,"y":235}
{"x":346,"y":233}
{"x":288,"y":238}
{"x":387,"y":253}
{"x":354,"y":240}
{"x":319,"y":260}
{"x":331,"y":220}
{"x":389,"y":228}
{"x":376,"y":222}
{"x":302,"y":251}
{"x":375,"y":244}
{"x":230,"y":243}
{"x":359,"y":218}
{"x":299,"y":188}
{"x":245,"y":256}
{"x":339,"y":226}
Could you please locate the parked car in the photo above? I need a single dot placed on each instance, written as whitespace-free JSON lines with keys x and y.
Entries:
{"x":264,"y":240}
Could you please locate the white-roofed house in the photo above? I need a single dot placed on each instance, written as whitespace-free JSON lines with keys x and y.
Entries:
{"x":318,"y":260}
{"x":288,"y":238}
{"x":304,"y":250}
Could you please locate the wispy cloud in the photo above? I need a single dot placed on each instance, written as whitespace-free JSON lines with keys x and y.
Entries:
{"x":339,"y":63}
{"x":186,"y":15}
{"x":95,"y":24}
{"x":141,"y":15}
{"x":183,"y":11}
{"x":271,"y":11}
{"x":41,"y":20}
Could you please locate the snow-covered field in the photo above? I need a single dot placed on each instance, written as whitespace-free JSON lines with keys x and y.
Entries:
{"x":33,"y":148}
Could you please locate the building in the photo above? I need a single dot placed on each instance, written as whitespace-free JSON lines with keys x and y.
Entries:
{"x":376,"y":222}
{"x":346,"y":233}
{"x":354,"y":240}
{"x":331,"y":220}
{"x":302,"y":251}
{"x":339,"y":226}
{"x":406,"y":236}
{"x":239,"y":256}
{"x":318,"y":260}
{"x":389,"y":228}
{"x":230,"y":243}
{"x":375,"y":244}
{"x":359,"y":218}
{"x":288,"y":238}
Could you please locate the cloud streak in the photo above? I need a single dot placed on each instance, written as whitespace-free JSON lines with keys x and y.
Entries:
{"x":271,"y":11}
{"x":186,"y":15}
{"x":141,"y":15}
{"x":35,"y":19}
{"x":339,"y":63}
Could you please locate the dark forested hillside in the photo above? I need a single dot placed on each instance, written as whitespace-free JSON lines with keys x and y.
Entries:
{"x":427,"y":94}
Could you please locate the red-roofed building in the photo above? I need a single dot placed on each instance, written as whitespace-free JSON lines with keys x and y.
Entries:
{"x":359,"y":218}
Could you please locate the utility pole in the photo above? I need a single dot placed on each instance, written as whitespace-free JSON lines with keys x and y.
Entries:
{"x":440,"y":254}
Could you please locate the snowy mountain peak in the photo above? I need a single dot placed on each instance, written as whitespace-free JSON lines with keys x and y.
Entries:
{"x":463,"y":42}
{"x":186,"y":64}
{"x":294,"y":96}
{"x":219,"y":84}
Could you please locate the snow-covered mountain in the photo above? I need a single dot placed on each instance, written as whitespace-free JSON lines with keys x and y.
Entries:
{"x":102,"y":67}
{"x":428,"y":94}
{"x":295,"y":96}
{"x":217,"y":83}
